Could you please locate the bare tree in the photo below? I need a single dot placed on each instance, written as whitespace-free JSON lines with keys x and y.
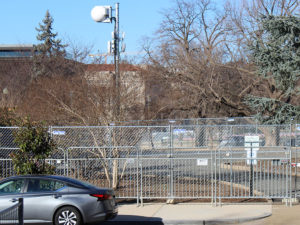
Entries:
{"x":179,"y":27}
{"x":14,"y":80}
{"x":82,"y":52}
{"x":202,"y":54}
{"x":84,"y":98}
{"x":192,"y":57}
{"x":244,"y":23}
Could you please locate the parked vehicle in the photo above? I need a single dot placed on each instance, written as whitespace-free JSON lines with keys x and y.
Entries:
{"x":58,"y":200}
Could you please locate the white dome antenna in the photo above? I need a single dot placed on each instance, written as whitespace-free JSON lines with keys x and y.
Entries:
{"x":102,"y":14}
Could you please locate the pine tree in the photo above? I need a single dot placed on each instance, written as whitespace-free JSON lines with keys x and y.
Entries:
{"x":277,"y":57}
{"x":49,"y":51}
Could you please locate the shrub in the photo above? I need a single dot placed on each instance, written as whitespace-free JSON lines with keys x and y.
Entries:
{"x":35,"y":145}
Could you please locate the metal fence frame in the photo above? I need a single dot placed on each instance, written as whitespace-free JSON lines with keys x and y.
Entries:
{"x":164,"y":165}
{"x":13,"y":214}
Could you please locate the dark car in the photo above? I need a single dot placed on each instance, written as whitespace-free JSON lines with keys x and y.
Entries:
{"x":58,"y":200}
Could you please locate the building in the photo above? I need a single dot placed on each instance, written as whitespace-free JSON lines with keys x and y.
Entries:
{"x":15,"y":67}
{"x":132,"y":84}
{"x":16,"y":64}
{"x":15,"y":51}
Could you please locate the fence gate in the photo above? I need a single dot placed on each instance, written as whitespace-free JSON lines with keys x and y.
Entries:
{"x":182,"y":173}
{"x":173,"y":164}
{"x":256,"y":164}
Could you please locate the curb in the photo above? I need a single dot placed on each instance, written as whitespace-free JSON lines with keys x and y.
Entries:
{"x":213,"y":222}
{"x":187,"y":222}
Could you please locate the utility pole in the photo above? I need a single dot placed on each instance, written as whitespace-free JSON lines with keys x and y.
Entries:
{"x":117,"y":66}
{"x":104,"y":14}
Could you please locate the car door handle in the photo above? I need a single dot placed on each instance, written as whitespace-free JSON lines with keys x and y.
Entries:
{"x":14,"y":200}
{"x":57,"y":196}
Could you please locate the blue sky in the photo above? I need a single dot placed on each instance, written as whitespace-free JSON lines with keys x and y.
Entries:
{"x":72,"y":20}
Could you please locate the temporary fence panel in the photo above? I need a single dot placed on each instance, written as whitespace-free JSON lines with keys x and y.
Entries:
{"x":295,"y":143}
{"x":114,"y":167}
{"x":13,"y":214}
{"x":241,"y":176}
{"x":176,"y":161}
{"x":254,"y":162}
{"x":7,"y":147}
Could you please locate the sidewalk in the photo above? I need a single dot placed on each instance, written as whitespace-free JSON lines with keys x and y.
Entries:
{"x":190,"y":213}
{"x":281,"y":215}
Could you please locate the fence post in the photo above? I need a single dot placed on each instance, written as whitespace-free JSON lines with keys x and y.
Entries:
{"x":251,"y":170}
{"x":212,"y":169}
{"x":137,"y":175}
{"x":171,"y":162}
{"x":231,"y":164}
{"x":67,"y":162}
{"x":215,"y":168}
{"x":21,"y":211}
{"x":51,"y":131}
{"x":296,"y":158}
{"x":110,"y":155}
{"x":64,"y":162}
{"x":141,"y":191}
{"x":290,"y":158}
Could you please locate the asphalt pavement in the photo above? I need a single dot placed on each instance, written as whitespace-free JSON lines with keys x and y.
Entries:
{"x":190,"y":214}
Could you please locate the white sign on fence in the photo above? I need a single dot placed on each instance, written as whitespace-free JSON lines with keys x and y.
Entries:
{"x":59,"y":132}
{"x":251,"y":146}
{"x":202,"y":162}
{"x":252,"y":139}
{"x":252,"y":155}
{"x":130,"y":161}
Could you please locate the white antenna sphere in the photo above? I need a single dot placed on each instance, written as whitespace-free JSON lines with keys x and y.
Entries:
{"x":99,"y":13}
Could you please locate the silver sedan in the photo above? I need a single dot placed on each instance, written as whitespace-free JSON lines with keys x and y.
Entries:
{"x":58,"y":200}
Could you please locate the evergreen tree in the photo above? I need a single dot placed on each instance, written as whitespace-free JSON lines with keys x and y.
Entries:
{"x":50,"y":51}
{"x":35,"y":145}
{"x":277,"y":56}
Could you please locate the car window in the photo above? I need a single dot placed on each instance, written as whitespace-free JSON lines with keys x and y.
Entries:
{"x":44,"y":185}
{"x":11,"y":186}
{"x":83,"y":184}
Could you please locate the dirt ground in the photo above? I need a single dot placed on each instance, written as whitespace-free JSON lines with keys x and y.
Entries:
{"x":281,"y":215}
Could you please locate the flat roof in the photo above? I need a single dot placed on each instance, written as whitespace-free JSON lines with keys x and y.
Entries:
{"x":16,"y":47}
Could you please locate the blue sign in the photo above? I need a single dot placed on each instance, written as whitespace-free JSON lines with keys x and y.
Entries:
{"x":59,"y":132}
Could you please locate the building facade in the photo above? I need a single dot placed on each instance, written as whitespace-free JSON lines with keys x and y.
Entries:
{"x":132,"y":85}
{"x":16,"y":51}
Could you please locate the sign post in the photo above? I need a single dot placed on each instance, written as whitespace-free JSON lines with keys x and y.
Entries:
{"x":251,"y":146}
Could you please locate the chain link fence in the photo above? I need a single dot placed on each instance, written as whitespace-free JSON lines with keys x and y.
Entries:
{"x":7,"y":146}
{"x":295,"y":143}
{"x":192,"y":121}
{"x":176,"y":161}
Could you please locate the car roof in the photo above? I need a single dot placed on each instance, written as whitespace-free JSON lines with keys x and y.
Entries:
{"x":62,"y":178}
{"x":69,"y":180}
{"x":38,"y":176}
